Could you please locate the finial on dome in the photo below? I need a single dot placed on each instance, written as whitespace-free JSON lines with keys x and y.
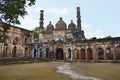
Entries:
{"x":71,"y":21}
{"x":60,"y":18}
{"x":78,"y":7}
{"x":41,"y":10}
{"x":50,"y":22}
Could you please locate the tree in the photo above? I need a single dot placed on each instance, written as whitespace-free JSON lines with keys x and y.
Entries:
{"x":11,"y":10}
{"x":4,"y":32}
{"x":36,"y":34}
{"x":107,"y":37}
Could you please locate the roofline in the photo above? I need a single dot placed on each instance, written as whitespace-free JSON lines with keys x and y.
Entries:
{"x":15,"y":26}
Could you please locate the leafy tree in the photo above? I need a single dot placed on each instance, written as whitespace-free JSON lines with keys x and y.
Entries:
{"x":36,"y":34}
{"x":3,"y":33}
{"x":107,"y":37}
{"x":10,"y":10}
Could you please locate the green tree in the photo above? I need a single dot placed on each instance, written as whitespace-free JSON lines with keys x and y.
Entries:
{"x":36,"y":34}
{"x":11,"y":10}
{"x":3,"y":33}
{"x":107,"y":37}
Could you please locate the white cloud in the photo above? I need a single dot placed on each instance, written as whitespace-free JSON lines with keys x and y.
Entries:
{"x":87,"y":26}
{"x":37,"y":9}
{"x":58,"y":11}
{"x":97,"y":33}
{"x":92,"y":31}
{"x":118,"y":35}
{"x":28,"y":23}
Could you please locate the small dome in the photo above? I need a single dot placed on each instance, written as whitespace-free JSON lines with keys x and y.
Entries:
{"x":61,"y":24}
{"x":72,"y":26}
{"x":50,"y":26}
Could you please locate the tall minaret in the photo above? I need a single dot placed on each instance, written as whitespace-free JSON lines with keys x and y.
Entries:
{"x":78,"y":19}
{"x":41,"y":26}
{"x":41,"y":19}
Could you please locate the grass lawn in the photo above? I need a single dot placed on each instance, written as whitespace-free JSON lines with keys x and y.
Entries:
{"x":34,"y":71}
{"x":105,"y":71}
{"x":47,"y":71}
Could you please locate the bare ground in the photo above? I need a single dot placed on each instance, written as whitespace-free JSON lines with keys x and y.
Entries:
{"x":47,"y":71}
{"x":35,"y":71}
{"x":105,"y":71}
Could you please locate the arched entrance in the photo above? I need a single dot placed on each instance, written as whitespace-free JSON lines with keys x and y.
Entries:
{"x":26,"y":52}
{"x":108,"y":53}
{"x":82,"y":53}
{"x":75,"y":54}
{"x":59,"y":54}
{"x":100,"y":52}
{"x":118,"y":52}
{"x":14,"y":51}
{"x":47,"y":53}
{"x":89,"y":53}
{"x":69,"y":53}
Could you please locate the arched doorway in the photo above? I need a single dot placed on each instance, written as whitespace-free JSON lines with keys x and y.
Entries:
{"x":14,"y":51}
{"x":82,"y":53}
{"x":5,"y":51}
{"x":108,"y":53}
{"x":118,"y":52}
{"x":69,"y":53}
{"x":26,"y":52}
{"x":75,"y":54}
{"x":100,"y":52}
{"x":59,"y":54}
{"x":47,"y":53}
{"x":89,"y":53}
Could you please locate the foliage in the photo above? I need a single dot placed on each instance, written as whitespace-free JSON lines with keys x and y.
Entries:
{"x":10,"y":10}
{"x":3,"y":34}
{"x":107,"y":37}
{"x":36,"y":34}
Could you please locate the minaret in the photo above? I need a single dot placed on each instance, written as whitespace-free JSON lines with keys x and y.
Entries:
{"x":78,"y":19}
{"x":41,"y":19}
{"x":41,"y":26}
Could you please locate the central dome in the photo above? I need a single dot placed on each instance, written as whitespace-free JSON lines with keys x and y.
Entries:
{"x":61,"y":24}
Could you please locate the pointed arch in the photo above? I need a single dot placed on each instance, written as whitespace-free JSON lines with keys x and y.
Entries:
{"x":14,"y":51}
{"x":82,"y":54}
{"x":90,"y":53}
{"x":59,"y":54}
{"x":109,"y":54}
{"x":75,"y":54}
{"x":26,"y":51}
{"x":118,"y":52}
{"x":68,"y":55}
{"x":47,"y":53}
{"x":100,"y":53}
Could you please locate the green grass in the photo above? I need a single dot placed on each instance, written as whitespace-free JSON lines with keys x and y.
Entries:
{"x":47,"y":71}
{"x":105,"y":71}
{"x":39,"y":71}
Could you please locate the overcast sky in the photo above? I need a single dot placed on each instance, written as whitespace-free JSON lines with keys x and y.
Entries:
{"x":99,"y":18}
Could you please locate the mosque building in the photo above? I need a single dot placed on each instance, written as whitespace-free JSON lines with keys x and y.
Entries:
{"x":61,"y":41}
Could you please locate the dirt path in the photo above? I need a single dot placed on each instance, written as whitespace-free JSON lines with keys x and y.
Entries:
{"x":66,"y":69}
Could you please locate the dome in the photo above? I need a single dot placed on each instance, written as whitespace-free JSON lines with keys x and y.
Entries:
{"x":50,"y":26}
{"x":72,"y":26}
{"x":61,"y":24}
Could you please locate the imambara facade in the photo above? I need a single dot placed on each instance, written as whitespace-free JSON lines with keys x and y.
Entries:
{"x":62,"y":42}
{"x":59,"y":42}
